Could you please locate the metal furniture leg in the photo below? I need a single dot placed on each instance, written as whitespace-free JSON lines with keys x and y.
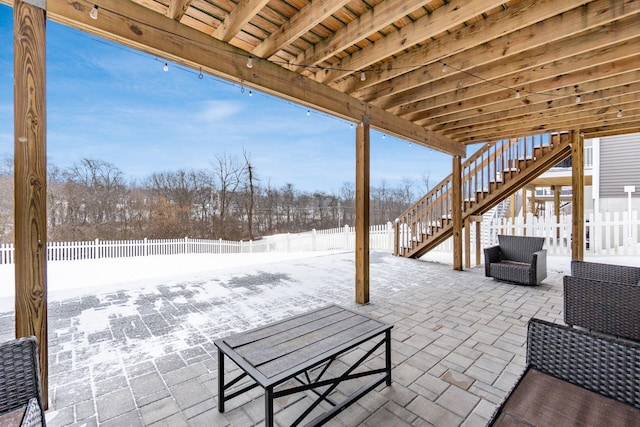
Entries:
{"x":220,"y":381}
{"x":268,"y":402}
{"x":388,"y":355}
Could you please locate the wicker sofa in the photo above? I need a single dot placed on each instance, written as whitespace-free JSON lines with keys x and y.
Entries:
{"x":517,"y":259}
{"x":574,"y":377}
{"x":603,"y":297}
{"x":20,"y":387}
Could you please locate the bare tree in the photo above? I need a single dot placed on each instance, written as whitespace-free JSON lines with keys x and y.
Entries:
{"x":348,"y":198}
{"x":250,"y":192}
{"x":426,"y":176}
{"x":229,"y":174}
{"x":91,"y":200}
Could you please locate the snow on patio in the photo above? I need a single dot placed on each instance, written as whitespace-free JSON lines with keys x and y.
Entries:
{"x":113,"y":322}
{"x":111,"y":316}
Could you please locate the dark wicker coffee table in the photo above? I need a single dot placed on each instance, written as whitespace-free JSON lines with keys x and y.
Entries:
{"x":303,"y":348}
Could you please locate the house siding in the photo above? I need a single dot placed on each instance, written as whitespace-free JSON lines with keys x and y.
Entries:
{"x":619,"y":165}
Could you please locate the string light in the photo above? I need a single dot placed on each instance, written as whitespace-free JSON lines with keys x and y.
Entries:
{"x":250,"y":93}
{"x":166,"y":67}
{"x":517,"y":91}
{"x":93,"y":14}
{"x":308,"y":113}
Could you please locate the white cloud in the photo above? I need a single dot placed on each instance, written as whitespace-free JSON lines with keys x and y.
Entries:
{"x":217,"y":110}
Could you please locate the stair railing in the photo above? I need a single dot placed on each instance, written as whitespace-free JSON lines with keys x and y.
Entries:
{"x":482,"y":173}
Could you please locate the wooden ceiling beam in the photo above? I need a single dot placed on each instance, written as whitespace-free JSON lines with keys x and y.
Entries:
{"x":612,"y":96}
{"x":577,"y":31}
{"x":375,"y":19}
{"x":592,"y":110}
{"x":132,"y":25}
{"x":177,"y":9}
{"x":615,"y":82}
{"x":512,"y":19}
{"x":556,"y":127}
{"x":628,"y":126}
{"x":240,"y":16}
{"x":586,"y":119}
{"x":454,"y":13}
{"x":561,"y":87}
{"x":575,"y":71}
{"x":308,"y":17}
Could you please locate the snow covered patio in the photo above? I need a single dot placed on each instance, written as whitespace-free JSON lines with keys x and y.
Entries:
{"x":131,"y":339}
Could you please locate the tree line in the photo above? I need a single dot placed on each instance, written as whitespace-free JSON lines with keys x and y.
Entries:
{"x":92,"y":199}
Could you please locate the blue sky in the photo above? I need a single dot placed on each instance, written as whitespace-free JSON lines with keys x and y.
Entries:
{"x":109,"y":102}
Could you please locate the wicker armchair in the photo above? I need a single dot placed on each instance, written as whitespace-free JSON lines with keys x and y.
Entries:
{"x":574,"y":377}
{"x":517,"y":259}
{"x":604,"y":298}
{"x":20,"y":380}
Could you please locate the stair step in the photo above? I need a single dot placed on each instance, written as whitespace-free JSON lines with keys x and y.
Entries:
{"x":430,"y":232}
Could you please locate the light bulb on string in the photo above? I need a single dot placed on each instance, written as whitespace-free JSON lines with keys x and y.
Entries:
{"x":517,"y":94}
{"x":166,"y":67}
{"x":249,"y":62}
{"x":619,"y":115}
{"x":308,"y":113}
{"x":444,"y":68}
{"x":578,"y":99}
{"x":250,"y":93}
{"x":94,"y":12}
{"x":363,"y":76}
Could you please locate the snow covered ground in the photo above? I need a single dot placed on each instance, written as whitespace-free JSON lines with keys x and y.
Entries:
{"x":110,"y":318}
{"x":67,"y":279}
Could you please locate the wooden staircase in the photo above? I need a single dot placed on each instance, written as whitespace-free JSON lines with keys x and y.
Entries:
{"x":489,"y":176}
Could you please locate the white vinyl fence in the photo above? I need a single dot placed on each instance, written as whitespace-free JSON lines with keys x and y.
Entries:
{"x":605,"y":234}
{"x":381,"y":237}
{"x":611,"y":233}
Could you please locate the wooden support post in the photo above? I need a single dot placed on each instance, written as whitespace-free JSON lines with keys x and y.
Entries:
{"x":478,"y":236}
{"x":556,"y":206}
{"x":456,"y":212}
{"x":30,"y":178}
{"x":362,"y":213}
{"x":512,"y":208}
{"x":532,"y":201}
{"x":467,"y":235}
{"x":577,"y":197}
{"x":467,"y":242}
{"x":524,"y":211}
{"x":396,"y":238}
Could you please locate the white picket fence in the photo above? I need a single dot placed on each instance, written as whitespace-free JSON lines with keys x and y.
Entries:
{"x":605,"y":234}
{"x":343,"y":238}
{"x":611,"y":233}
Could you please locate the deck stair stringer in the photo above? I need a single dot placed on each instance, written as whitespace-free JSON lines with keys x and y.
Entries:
{"x":489,"y":176}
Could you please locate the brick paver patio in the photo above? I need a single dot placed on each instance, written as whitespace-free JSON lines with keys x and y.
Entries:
{"x":145,"y":356}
